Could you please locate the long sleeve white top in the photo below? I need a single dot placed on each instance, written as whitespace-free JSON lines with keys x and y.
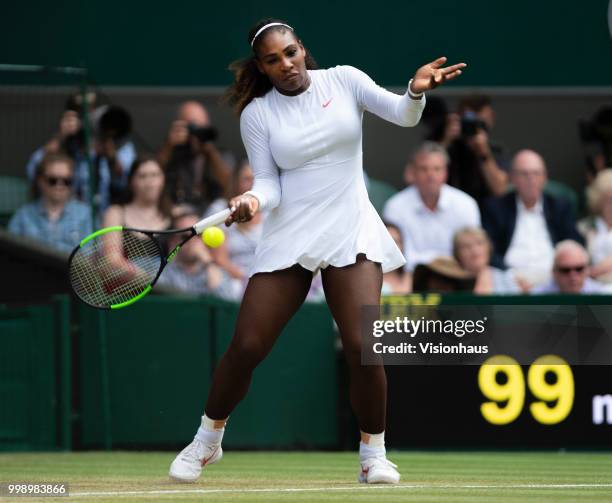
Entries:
{"x":306,"y":154}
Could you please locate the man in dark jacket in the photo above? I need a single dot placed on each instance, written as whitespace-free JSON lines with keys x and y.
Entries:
{"x":525,"y":224}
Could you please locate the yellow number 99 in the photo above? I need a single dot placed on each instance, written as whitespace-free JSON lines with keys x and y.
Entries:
{"x":561,"y":392}
{"x":512,"y":392}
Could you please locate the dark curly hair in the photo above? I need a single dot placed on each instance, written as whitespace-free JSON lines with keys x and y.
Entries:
{"x":249,"y":82}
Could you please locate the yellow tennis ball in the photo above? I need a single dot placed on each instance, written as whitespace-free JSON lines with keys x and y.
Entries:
{"x":213,"y":237}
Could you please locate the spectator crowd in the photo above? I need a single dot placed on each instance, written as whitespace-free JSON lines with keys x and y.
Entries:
{"x":471,"y":218}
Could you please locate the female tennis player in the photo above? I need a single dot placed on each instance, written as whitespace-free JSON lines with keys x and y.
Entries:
{"x":301,"y":127}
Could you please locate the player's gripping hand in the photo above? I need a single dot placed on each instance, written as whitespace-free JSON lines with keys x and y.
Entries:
{"x":432,"y":75}
{"x":243,"y":209}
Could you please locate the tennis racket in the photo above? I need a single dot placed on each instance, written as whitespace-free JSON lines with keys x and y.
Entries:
{"x":117,"y":266}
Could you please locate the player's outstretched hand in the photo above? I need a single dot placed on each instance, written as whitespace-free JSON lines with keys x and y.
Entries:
{"x":243,"y":209}
{"x":432,"y":75}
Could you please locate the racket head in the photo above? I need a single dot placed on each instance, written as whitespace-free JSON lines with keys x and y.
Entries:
{"x":114,"y":267}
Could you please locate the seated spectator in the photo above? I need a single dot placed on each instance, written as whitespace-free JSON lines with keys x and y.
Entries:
{"x":399,"y":281}
{"x":597,"y":228}
{"x":429,"y":212}
{"x":54,"y":217}
{"x":197,"y":173}
{"x":193,"y":270}
{"x":570,"y":271}
{"x":472,"y":249}
{"x":236,"y":254}
{"x":525,"y":224}
{"x":146,"y":205}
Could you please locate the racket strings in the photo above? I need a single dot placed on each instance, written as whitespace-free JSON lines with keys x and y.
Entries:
{"x":114,"y":267}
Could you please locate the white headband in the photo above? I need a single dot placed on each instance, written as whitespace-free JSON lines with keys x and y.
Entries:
{"x":268,"y":26}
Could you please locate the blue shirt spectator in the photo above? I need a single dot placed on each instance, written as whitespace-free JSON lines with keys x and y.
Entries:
{"x":32,"y":220}
{"x":54,"y":217}
{"x":126,"y":154}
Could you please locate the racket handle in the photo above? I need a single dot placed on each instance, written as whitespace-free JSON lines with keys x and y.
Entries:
{"x":216,"y":219}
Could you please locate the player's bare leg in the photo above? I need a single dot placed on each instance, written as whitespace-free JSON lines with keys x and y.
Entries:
{"x":269,"y":302}
{"x":347,"y":289}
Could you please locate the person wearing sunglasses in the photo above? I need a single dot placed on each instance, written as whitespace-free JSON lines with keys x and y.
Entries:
{"x":54,"y":217}
{"x":570,"y":272}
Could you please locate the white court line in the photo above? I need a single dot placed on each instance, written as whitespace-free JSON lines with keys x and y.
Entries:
{"x":360,"y":487}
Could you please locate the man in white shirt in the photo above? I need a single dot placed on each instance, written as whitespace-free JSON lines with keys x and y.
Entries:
{"x":570,"y":271}
{"x":429,"y":212}
{"x":524,"y":225}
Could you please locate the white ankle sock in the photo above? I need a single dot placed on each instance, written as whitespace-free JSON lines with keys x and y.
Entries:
{"x":211,"y":430}
{"x":372,"y":445}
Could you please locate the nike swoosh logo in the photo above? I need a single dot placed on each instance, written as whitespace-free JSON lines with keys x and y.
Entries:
{"x":206,"y":460}
{"x":327,"y":103}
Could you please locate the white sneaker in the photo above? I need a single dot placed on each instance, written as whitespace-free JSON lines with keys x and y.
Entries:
{"x":187,"y":466}
{"x":378,"y":471}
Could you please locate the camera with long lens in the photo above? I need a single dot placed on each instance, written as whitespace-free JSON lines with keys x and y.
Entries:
{"x":471,"y":124}
{"x":204,"y":134}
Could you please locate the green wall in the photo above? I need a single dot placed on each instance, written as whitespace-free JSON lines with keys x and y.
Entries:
{"x":506,"y":43}
{"x":35,"y":377}
{"x":141,"y":376}
{"x":145,"y":372}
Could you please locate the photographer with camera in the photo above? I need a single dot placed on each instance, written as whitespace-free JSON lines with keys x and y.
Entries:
{"x":475,"y":163}
{"x":197,"y":174}
{"x":112,"y":152}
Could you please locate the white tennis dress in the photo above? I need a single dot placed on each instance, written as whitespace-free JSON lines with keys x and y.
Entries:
{"x":305,"y":151}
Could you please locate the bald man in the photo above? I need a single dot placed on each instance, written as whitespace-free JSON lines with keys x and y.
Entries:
{"x":196,"y":172}
{"x":193,"y":112}
{"x":570,"y":271}
{"x":526,"y":224}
